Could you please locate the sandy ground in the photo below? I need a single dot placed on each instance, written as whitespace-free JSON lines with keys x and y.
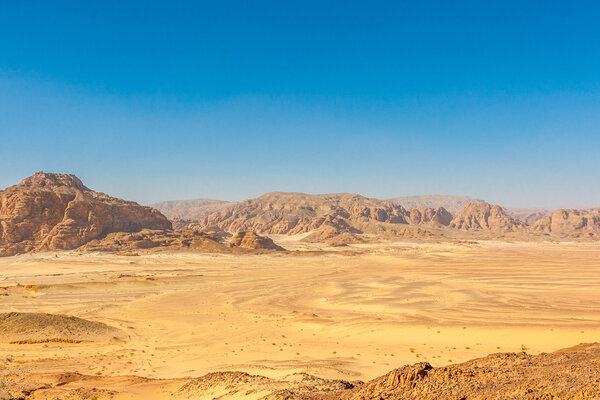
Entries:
{"x":351,"y":314}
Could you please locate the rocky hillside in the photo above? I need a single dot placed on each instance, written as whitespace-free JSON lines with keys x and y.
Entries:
{"x":189,"y":210}
{"x":570,"y":223}
{"x":327,"y":214}
{"x":250,"y":240}
{"x":56,"y":211}
{"x":569,"y":374}
{"x":485,"y":217}
{"x":453,"y":204}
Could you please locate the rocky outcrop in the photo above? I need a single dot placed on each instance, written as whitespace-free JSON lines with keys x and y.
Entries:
{"x":250,"y":240}
{"x":430,"y":216}
{"x":150,"y":241}
{"x":570,"y":223}
{"x":485,"y":217}
{"x":568,"y":374}
{"x":56,"y":211}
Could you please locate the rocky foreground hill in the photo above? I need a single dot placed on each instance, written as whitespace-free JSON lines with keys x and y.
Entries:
{"x":569,"y":374}
{"x":58,"y":212}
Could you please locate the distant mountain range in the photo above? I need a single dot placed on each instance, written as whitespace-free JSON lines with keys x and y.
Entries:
{"x":189,"y":209}
{"x":56,"y":211}
{"x":451,"y":203}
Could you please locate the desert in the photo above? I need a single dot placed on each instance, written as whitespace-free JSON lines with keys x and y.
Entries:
{"x":140,"y":312}
{"x":299,"y":200}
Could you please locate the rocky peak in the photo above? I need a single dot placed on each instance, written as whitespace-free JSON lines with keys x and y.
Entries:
{"x":50,"y":181}
{"x":486,"y":217}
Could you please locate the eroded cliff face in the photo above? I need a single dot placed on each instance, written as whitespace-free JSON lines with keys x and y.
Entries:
{"x":570,"y":223}
{"x":327,"y":214}
{"x":485,"y":217}
{"x":56,"y":211}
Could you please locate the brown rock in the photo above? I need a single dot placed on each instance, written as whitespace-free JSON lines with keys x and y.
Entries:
{"x":250,"y":240}
{"x":56,"y":211}
{"x":570,"y":223}
{"x":485,"y":217}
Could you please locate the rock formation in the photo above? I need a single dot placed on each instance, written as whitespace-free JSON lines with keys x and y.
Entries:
{"x":570,"y":223}
{"x":430,"y":216}
{"x":250,"y":240}
{"x":150,"y":241}
{"x":56,"y":211}
{"x":569,"y":374}
{"x":485,"y":217}
{"x":329,"y":217}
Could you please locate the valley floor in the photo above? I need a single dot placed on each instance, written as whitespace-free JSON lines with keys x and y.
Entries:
{"x":351,"y":314}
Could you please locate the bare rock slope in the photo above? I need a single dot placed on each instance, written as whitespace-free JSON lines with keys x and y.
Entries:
{"x":486,"y":217}
{"x":327,"y":216}
{"x":250,"y":240}
{"x":570,"y":223}
{"x":56,"y":211}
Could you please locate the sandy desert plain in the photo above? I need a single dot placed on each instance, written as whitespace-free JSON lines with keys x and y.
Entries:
{"x":351,"y":313}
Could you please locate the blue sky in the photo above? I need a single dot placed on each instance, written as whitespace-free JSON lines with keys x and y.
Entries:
{"x":165,"y":100}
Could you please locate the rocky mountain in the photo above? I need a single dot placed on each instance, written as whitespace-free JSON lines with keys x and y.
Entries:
{"x":485,"y":217}
{"x":56,"y":211}
{"x":453,"y":204}
{"x":250,"y":240}
{"x":328,"y":215}
{"x":527,"y":215}
{"x":189,"y":210}
{"x":570,"y":223}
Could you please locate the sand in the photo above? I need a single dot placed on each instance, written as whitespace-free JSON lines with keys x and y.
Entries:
{"x":354,"y":313}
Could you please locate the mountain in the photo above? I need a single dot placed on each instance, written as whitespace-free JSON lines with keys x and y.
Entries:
{"x":485,"y":217}
{"x":189,"y":210}
{"x":453,"y":204}
{"x":570,"y":223}
{"x":56,"y":211}
{"x":325,"y":215}
{"x":527,"y":215}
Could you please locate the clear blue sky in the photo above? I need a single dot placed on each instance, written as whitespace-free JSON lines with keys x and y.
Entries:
{"x":172,"y":100}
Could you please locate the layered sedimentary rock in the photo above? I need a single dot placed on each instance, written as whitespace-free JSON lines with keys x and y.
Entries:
{"x":485,"y":217}
{"x":56,"y":211}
